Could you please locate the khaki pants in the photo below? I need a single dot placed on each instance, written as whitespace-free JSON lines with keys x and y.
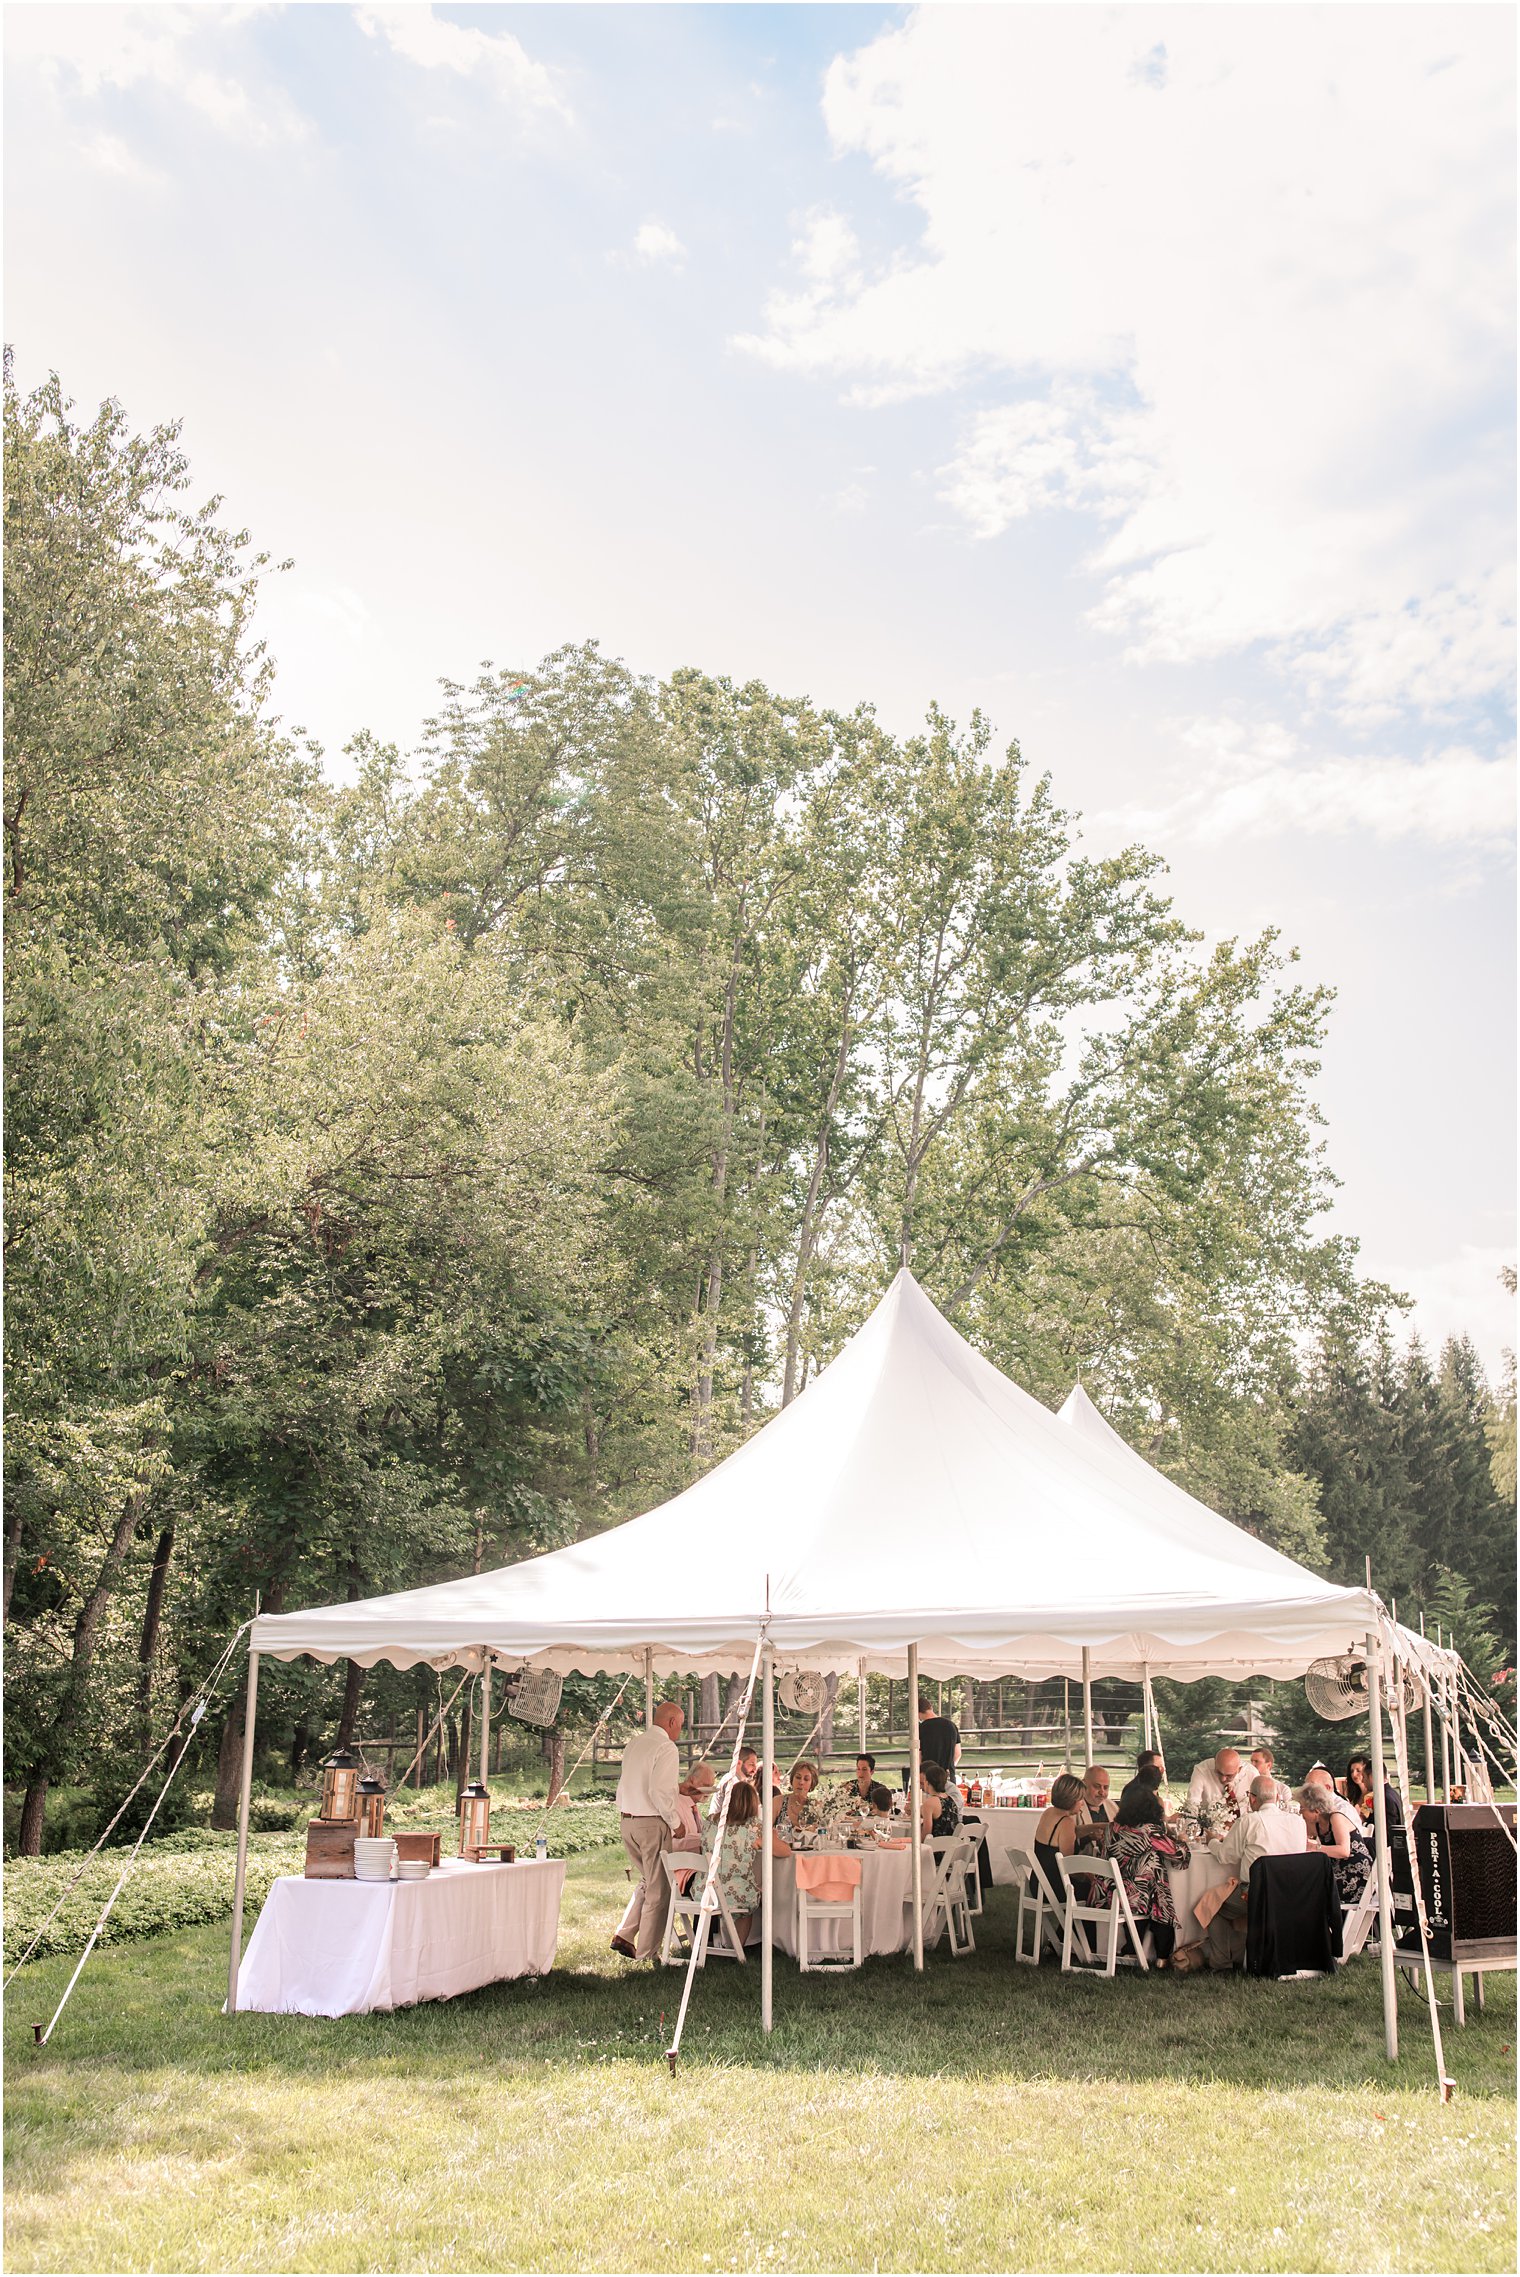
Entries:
{"x":1224,"y":1945}
{"x":645,"y":1840}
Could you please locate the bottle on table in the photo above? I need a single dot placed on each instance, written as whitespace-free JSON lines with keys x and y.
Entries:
{"x":541,"y":1848}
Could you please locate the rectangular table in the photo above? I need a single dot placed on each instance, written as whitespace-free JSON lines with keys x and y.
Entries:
{"x":343,"y":1948}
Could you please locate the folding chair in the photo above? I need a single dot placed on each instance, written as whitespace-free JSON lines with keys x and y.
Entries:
{"x":946,"y":1907}
{"x":812,"y":1908}
{"x":1110,"y":1915}
{"x":711,"y":1932}
{"x":1042,"y":1906}
{"x":1357,"y":1925}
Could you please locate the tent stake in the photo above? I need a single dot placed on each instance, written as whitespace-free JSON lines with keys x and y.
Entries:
{"x":1383,"y":1862}
{"x":241,"y":1875}
{"x":915,"y":1764}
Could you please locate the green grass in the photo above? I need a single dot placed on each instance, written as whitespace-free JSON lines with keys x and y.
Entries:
{"x":981,"y":2117}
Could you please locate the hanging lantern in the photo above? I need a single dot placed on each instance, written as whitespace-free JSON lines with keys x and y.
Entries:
{"x":474,"y":1819}
{"x":340,"y":1784}
{"x":371,"y":1806}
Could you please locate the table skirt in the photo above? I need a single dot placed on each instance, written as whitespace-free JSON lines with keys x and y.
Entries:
{"x":337,"y":1948}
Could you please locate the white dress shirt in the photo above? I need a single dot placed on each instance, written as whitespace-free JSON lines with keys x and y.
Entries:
{"x":1206,"y":1786}
{"x":651,"y":1777}
{"x":1268,"y":1833}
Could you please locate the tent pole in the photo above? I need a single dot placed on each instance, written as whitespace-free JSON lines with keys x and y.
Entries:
{"x":1066,"y":1715}
{"x":241,"y":1875}
{"x":767,"y":1862}
{"x":1152,"y":1728}
{"x":485,"y":1724}
{"x":1445,"y":1730}
{"x":1087,"y":1728}
{"x":915,"y":1764}
{"x":860,"y":1688}
{"x":1383,"y":1862}
{"x":1430,"y":1757}
{"x":649,"y":1687}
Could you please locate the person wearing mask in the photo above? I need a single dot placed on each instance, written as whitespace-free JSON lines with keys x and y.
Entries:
{"x":939,"y":1802}
{"x":939,"y":1740}
{"x":647,"y":1795}
{"x":1264,"y":1830}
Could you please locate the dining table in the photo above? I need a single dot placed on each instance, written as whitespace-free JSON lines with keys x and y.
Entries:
{"x":343,"y":1947}
{"x":1009,"y":1836}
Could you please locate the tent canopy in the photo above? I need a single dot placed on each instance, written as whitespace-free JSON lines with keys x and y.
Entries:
{"x":911,"y":1495}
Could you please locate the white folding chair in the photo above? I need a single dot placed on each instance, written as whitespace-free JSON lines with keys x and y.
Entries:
{"x":1109,"y":1916}
{"x":946,"y":1907}
{"x":1042,"y":1907}
{"x":1357,"y":1924}
{"x":711,"y":1931}
{"x":974,"y":1903}
{"x":812,"y":1908}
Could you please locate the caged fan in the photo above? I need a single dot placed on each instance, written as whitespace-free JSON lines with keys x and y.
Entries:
{"x":802,"y":1690}
{"x":1337,"y":1689}
{"x":535,"y":1696}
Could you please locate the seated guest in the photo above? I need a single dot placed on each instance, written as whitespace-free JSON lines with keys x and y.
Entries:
{"x":1265,"y":1830}
{"x":939,"y":1802}
{"x":739,"y":1858}
{"x":1056,"y":1829}
{"x":1359,"y":1792}
{"x":1151,"y":1761}
{"x":1097,"y":1809}
{"x":1334,"y":1826}
{"x":864,"y":1796}
{"x":1146,"y":1855}
{"x":1264,"y":1766}
{"x":692,"y":1797}
{"x":1224,"y":1780}
{"x":1147,"y":1781}
{"x":796,"y":1809}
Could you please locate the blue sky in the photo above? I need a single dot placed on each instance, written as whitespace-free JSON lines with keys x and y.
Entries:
{"x":1143,"y":375}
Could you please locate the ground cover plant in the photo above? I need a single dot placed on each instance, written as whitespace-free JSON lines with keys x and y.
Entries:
{"x":982,"y":2117}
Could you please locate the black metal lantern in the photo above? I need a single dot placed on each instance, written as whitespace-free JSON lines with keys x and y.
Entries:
{"x":371,"y":1806}
{"x":474,"y":1819}
{"x":340,"y":1784}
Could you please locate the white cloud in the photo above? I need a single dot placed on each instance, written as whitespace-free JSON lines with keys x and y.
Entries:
{"x":1259,"y":783}
{"x":419,"y":35}
{"x":1245,"y":276}
{"x":100,"y":47}
{"x":1461,"y":1295}
{"x":652,"y":241}
{"x":108,"y":154}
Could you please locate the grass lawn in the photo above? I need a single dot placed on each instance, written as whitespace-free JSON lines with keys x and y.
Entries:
{"x":981,"y":2117}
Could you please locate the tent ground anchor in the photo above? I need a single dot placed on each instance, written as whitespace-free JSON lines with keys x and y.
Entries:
{"x":672,"y":2058}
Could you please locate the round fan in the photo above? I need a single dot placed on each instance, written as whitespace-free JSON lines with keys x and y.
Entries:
{"x":802,"y":1690}
{"x":1337,"y":1689}
{"x":535,"y":1696}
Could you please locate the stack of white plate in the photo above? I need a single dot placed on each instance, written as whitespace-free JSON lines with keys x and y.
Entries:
{"x":413,"y":1870}
{"x":374,"y":1856}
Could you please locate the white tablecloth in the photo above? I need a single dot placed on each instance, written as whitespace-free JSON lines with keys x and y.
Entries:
{"x":1009,"y":1836}
{"x":886,"y":1899}
{"x":1188,"y":1885}
{"x":342,"y":1948}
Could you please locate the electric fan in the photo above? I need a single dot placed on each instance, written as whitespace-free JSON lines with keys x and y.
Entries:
{"x":1337,"y":1689}
{"x":802,"y":1690}
{"x":535,"y":1696}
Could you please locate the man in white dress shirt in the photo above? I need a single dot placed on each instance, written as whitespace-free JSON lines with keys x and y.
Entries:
{"x":1221,"y":1781}
{"x":1264,"y":1766}
{"x":647,"y":1800}
{"x":1265,"y":1831}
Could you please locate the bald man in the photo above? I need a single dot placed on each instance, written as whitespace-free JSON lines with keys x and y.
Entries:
{"x":648,"y":1801}
{"x":1225,"y":1780}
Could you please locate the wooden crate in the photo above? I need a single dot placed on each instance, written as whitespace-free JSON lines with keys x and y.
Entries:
{"x":419,"y":1842}
{"x":495,"y":1853}
{"x":330,"y":1849}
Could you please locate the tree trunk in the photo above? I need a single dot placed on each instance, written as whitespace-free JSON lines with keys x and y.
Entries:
{"x":147,"y":1647}
{"x":12,"y":1552}
{"x":229,"y":1771}
{"x":826,"y":1721}
{"x":556,"y":1762}
{"x":349,"y":1715}
{"x":709,"y":1711}
{"x":56,"y":1757}
{"x":29,"y":1834}
{"x":968,"y":1710}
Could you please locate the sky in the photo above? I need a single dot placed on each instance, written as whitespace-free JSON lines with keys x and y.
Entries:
{"x":1142,"y":375}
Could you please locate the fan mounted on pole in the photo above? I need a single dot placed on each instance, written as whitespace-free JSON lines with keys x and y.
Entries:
{"x":802,"y":1691}
{"x":1337,"y":1689}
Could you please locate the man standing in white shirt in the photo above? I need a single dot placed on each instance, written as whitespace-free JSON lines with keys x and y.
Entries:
{"x":647,"y":1800}
{"x":1222,"y":1781}
{"x":1265,"y":1831}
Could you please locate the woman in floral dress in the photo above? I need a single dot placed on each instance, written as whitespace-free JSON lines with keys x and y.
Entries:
{"x":738,"y":1877}
{"x":1146,"y":1852}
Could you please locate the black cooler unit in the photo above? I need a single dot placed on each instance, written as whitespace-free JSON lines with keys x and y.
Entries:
{"x":1466,"y":1862}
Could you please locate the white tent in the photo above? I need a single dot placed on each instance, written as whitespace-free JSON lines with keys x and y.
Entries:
{"x":913,"y":1512}
{"x":913,"y":1496}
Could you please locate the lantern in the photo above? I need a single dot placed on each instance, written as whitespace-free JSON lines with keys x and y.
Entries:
{"x":340,"y":1784}
{"x":474,"y":1818}
{"x":371,"y":1806}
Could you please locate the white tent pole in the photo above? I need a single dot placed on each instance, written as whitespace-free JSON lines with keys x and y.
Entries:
{"x":1066,"y":1715}
{"x":1087,"y":1735}
{"x":1152,"y":1728}
{"x":1430,"y":1776}
{"x":485,"y":1724}
{"x":860,"y":1688}
{"x":915,"y":1765}
{"x":1446,"y":1751}
{"x":240,"y":1876}
{"x":767,"y":1862}
{"x":1383,"y":1863}
{"x":648,"y":1687}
